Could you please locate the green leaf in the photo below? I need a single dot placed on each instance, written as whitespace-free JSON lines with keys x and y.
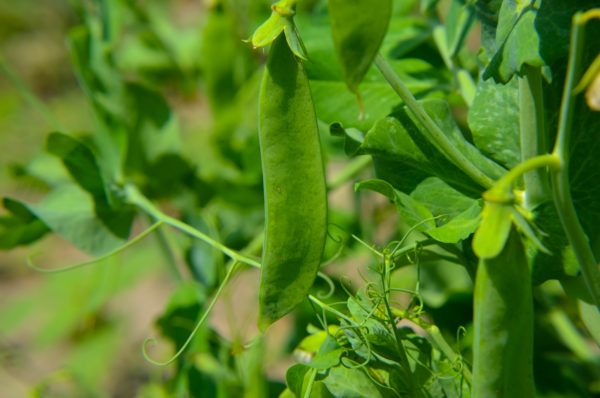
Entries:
{"x":494,"y":121}
{"x":398,"y":139}
{"x":458,"y":215}
{"x":351,"y":383}
{"x":352,"y":137}
{"x":411,"y":211}
{"x":459,"y":227}
{"x":328,"y":355}
{"x":487,"y":12}
{"x":533,"y":32}
{"x":380,"y":186}
{"x":584,"y":169}
{"x":181,"y":313}
{"x":442,"y":199}
{"x":80,"y":161}
{"x":358,"y":29}
{"x":294,"y":378}
{"x":20,"y":227}
{"x":561,"y":260}
{"x":335,"y":103}
{"x":73,"y":214}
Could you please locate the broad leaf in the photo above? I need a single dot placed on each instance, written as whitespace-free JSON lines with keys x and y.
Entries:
{"x":561,"y":261}
{"x":358,"y":28}
{"x":20,"y":227}
{"x":459,"y":227}
{"x":73,"y":214}
{"x":494,"y":121}
{"x":399,"y":139}
{"x":434,"y":208}
{"x":80,"y":161}
{"x":533,"y":32}
{"x":335,"y":103}
{"x":351,"y":383}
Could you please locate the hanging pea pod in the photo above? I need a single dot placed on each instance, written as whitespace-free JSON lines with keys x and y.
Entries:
{"x":294,"y":185}
{"x":503,"y":320}
{"x":358,"y":28}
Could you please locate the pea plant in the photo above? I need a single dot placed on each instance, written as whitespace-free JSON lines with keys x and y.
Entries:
{"x":463,"y":135}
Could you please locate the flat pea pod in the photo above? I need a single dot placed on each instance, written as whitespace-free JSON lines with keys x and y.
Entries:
{"x":294,"y":185}
{"x":503,"y":318}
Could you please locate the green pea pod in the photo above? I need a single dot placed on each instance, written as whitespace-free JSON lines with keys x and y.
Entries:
{"x":294,"y":185}
{"x":358,"y":28}
{"x":503,"y":318}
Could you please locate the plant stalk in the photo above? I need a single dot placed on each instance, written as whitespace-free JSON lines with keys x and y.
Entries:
{"x":432,"y":132}
{"x":533,"y":135}
{"x":561,"y":189}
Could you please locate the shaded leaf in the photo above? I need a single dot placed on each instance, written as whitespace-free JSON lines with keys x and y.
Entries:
{"x":181,"y":313}
{"x":351,"y":383}
{"x":73,"y":214}
{"x":534,"y":32}
{"x":80,"y":161}
{"x":494,"y":121}
{"x":398,"y":139}
{"x":459,"y":227}
{"x":358,"y":28}
{"x":20,"y":227}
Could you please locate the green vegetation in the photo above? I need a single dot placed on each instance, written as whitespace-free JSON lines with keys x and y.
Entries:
{"x":314,"y":198}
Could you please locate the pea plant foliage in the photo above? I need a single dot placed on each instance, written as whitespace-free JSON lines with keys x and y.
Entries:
{"x":463,"y":136}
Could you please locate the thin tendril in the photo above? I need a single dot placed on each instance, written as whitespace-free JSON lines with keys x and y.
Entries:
{"x":111,"y":253}
{"x":371,"y":248}
{"x":196,"y":328}
{"x":327,"y":294}
{"x":337,"y":253}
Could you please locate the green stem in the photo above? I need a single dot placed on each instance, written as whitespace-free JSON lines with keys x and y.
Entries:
{"x":330,"y":309}
{"x":200,"y":322}
{"x":96,"y":260}
{"x":349,"y":171}
{"x":533,"y":134}
{"x":432,"y":131}
{"x":136,"y":198}
{"x":438,"y":339}
{"x":560,"y":178}
{"x":503,"y":187}
{"x":404,"y":363}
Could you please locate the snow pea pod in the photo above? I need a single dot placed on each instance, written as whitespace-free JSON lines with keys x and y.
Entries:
{"x":503,"y":320}
{"x":294,"y":185}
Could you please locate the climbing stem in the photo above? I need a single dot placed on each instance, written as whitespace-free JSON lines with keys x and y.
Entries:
{"x":136,"y":198}
{"x":432,"y":131}
{"x":561,"y":188}
{"x":504,"y":184}
{"x":533,"y":134}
